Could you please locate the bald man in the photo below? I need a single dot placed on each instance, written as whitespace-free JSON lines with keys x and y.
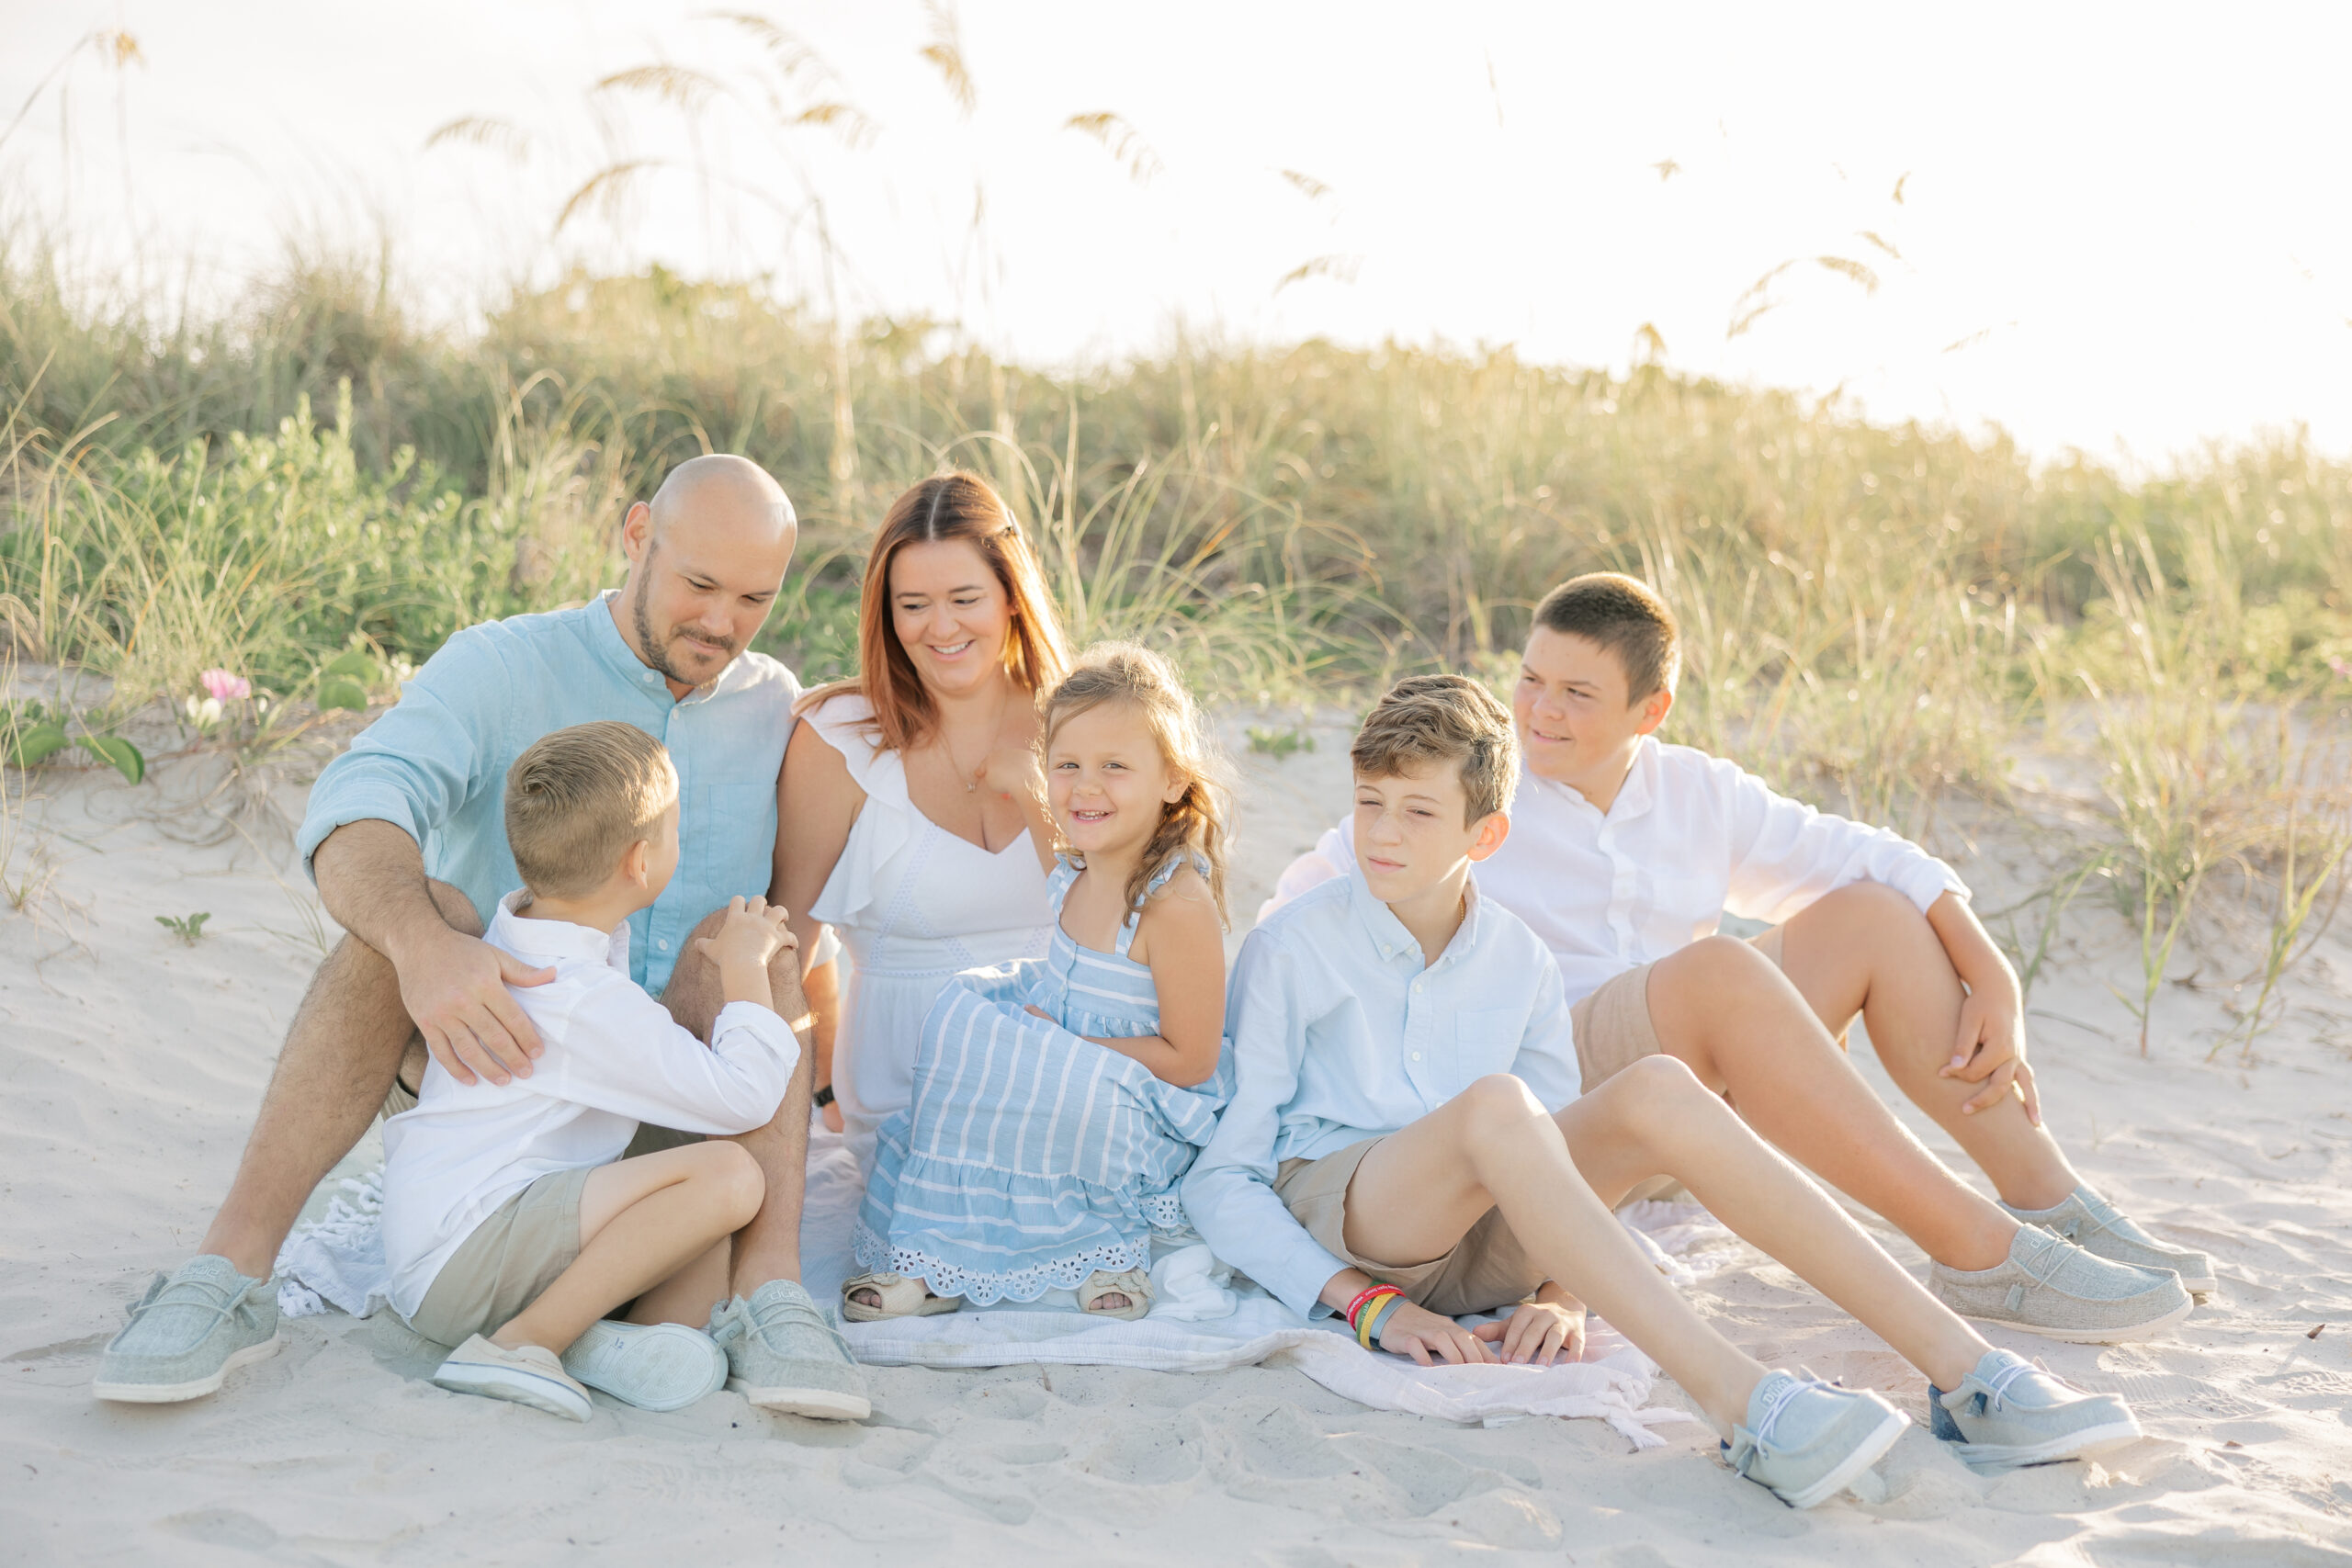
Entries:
{"x":405,"y":836}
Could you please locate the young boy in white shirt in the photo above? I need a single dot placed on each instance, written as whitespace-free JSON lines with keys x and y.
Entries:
{"x":1404,"y":1143}
{"x":1626,"y":852}
{"x":512,"y":1225}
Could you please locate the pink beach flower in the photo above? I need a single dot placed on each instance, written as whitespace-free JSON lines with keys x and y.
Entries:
{"x":222,"y":686}
{"x":2335,"y":662}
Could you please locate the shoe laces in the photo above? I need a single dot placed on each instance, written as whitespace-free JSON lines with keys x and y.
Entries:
{"x":2042,"y":1252}
{"x":2096,"y":1206}
{"x":164,"y":1291}
{"x":1761,"y":1438}
{"x":1995,"y":1389}
{"x":782,"y":1309}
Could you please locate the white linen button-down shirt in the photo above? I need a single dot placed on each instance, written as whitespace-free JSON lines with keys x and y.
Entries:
{"x":1689,"y":837}
{"x":614,"y":1058}
{"x":1340,"y":1034}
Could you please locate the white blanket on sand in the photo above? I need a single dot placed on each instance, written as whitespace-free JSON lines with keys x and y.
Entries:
{"x":1202,"y":1320}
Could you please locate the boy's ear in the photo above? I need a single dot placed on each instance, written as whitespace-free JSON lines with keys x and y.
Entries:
{"x":1493,"y":829}
{"x":637,"y":863}
{"x":1654,"y":707}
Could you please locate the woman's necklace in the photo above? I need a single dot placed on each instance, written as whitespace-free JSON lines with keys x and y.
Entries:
{"x":971,"y":776}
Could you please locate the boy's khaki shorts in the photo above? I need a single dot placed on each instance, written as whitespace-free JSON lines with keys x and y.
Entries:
{"x":1487,"y":1268}
{"x":511,"y":1258}
{"x":1613,"y":1026}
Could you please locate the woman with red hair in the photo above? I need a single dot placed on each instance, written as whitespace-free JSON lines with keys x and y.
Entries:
{"x":912,"y":818}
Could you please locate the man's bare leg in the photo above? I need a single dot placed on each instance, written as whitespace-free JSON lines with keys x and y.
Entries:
{"x":1867,"y":950}
{"x":346,"y":1043}
{"x":769,"y":1247}
{"x":1748,"y":1033}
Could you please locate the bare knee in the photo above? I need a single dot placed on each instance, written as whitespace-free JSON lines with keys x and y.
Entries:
{"x":1720,"y":962}
{"x":1496,"y":1106}
{"x":1659,"y":1087}
{"x":455,"y":907}
{"x":733,"y":1179}
{"x":1869,"y":906}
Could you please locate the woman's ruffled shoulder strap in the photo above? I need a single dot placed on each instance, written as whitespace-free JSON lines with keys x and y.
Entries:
{"x":883,"y":823}
{"x":846,"y":723}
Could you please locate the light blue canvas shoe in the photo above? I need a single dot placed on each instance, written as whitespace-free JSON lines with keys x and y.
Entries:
{"x":191,"y":1329}
{"x":2010,"y":1411}
{"x":783,"y":1353}
{"x":657,"y":1366}
{"x":2050,"y":1287}
{"x":1807,"y":1441}
{"x":2099,"y":1228}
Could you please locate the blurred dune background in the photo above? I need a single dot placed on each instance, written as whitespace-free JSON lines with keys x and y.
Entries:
{"x":1976,"y":387}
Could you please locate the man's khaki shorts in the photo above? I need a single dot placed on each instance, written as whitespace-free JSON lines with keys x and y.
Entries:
{"x":650,"y":1139}
{"x":1613,"y":1026}
{"x":511,"y":1258}
{"x":1487,"y":1268}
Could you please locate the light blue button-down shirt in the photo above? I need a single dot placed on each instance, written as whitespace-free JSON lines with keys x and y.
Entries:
{"x":1340,"y":1034}
{"x":434,"y":765}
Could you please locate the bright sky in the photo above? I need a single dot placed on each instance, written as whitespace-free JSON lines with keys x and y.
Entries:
{"x":2121,"y":227}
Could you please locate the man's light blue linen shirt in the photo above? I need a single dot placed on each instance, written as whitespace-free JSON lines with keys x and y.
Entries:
{"x":1340,"y":1033}
{"x":434,"y":765}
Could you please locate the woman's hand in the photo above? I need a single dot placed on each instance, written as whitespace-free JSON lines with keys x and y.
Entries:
{"x":1539,"y":1333}
{"x":1429,"y":1338}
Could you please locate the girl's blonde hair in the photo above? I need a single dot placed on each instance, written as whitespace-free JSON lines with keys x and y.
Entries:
{"x":1193,"y":826}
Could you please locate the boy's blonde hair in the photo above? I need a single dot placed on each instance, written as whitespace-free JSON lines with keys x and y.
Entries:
{"x":1443,"y":718}
{"x":1193,"y":826}
{"x":577,"y":799}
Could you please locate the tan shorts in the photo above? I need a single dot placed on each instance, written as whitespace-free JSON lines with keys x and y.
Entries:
{"x":511,"y":1258}
{"x":1487,"y":1268}
{"x":650,"y":1139}
{"x":1613,"y":1026}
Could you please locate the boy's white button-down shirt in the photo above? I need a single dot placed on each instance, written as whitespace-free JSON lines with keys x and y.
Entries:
{"x":1689,"y":837}
{"x":1340,"y":1034}
{"x":614,"y":1058}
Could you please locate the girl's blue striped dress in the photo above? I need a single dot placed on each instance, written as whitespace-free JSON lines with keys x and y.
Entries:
{"x":1030,"y":1157}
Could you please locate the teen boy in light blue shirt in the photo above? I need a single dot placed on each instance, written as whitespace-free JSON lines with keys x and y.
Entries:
{"x":1404,"y":1144}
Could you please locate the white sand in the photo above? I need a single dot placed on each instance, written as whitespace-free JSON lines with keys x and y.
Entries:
{"x":132,"y":1065}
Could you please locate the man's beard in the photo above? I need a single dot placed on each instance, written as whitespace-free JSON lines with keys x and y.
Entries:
{"x":657,"y":654}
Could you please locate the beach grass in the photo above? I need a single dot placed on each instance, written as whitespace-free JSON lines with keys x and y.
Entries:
{"x":1878,"y":618}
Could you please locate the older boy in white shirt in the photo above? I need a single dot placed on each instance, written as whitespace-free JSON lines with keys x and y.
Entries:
{"x":1397,"y":1148}
{"x":1626,"y":852}
{"x":512,"y":1224}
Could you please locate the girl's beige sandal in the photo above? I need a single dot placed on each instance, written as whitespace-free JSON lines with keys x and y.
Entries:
{"x":900,"y":1297}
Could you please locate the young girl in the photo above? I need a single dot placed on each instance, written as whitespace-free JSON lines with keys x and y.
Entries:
{"x":1057,"y":1100}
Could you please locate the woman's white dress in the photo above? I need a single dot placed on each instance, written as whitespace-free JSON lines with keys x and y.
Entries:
{"x":916,"y":906}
